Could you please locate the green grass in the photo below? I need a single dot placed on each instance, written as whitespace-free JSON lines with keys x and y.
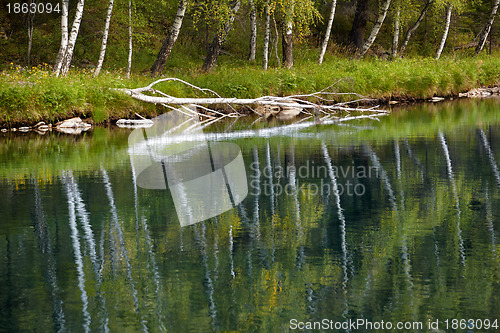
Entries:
{"x":28,"y":96}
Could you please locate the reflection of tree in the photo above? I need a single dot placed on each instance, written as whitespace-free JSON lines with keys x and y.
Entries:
{"x":45,"y":245}
{"x":455,"y":195}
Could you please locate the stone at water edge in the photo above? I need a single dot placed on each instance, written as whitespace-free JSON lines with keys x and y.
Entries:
{"x":3,"y":130}
{"x":24,"y":129}
{"x":40,"y":123}
{"x":73,"y":123}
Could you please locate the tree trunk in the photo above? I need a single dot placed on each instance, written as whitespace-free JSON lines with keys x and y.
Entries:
{"x":129,"y":60}
{"x":357,"y":34}
{"x":267,"y":32}
{"x":64,"y":37}
{"x":414,"y":27}
{"x":445,"y":33}
{"x":287,"y":41}
{"x":169,"y":42}
{"x":395,"y":39}
{"x":72,"y":38}
{"x":487,"y":27}
{"x":276,"y":42}
{"x":376,"y":28}
{"x":219,"y":39}
{"x":104,"y":39}
{"x":31,"y":27}
{"x":327,"y":34}
{"x":253,"y":31}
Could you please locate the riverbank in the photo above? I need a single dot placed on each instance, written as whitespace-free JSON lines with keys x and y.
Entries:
{"x":28,"y":96}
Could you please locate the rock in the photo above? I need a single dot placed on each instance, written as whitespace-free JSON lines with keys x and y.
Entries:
{"x":41,"y":123}
{"x":393,"y":102}
{"x":72,"y":126}
{"x":43,"y":128}
{"x":73,"y":123}
{"x":437,"y":99}
{"x":24,"y":129}
{"x":13,"y":129}
{"x":3,"y":130}
{"x":480,"y":92}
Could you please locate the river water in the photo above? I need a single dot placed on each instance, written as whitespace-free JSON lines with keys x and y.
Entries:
{"x":390,"y":222}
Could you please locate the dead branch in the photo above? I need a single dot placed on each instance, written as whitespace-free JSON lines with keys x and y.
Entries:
{"x":264,"y":106}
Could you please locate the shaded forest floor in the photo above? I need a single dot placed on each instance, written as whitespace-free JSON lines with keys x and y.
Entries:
{"x":31,"y":95}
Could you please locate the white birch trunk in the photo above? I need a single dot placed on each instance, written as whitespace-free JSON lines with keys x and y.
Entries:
{"x":104,"y":39}
{"x":375,"y":29}
{"x":328,"y":31}
{"x":486,"y":29}
{"x":267,"y":33}
{"x":72,"y":38}
{"x":169,"y":42}
{"x":445,"y":33}
{"x":129,"y":61}
{"x":415,"y":26}
{"x":64,"y":37}
{"x":395,"y":39}
{"x":253,"y":31}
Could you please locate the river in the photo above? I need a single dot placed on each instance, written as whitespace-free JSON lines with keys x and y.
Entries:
{"x":390,"y":222}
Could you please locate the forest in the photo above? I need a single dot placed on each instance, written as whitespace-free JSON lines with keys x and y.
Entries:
{"x":142,"y":36}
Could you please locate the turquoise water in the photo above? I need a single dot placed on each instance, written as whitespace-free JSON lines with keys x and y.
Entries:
{"x":395,"y":221}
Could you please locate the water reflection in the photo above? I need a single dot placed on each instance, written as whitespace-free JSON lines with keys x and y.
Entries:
{"x":88,"y":249}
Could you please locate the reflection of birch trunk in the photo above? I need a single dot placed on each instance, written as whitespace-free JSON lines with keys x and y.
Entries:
{"x":119,"y":232}
{"x":383,"y":175}
{"x":208,"y":280}
{"x":42,"y":232}
{"x":151,"y":262}
{"x":271,"y":195}
{"x":489,"y":152}
{"x":455,"y":195}
{"x":397,"y":155}
{"x":300,"y":260}
{"x":76,"y":251}
{"x":414,"y":159}
{"x":340,"y":214}
{"x":489,"y":222}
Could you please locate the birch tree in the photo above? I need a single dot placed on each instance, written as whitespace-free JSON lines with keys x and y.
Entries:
{"x":68,"y":54}
{"x":415,"y":26}
{"x":445,"y":33}
{"x":129,"y":60}
{"x":376,"y":28}
{"x":169,"y":42}
{"x":104,"y":39}
{"x":395,"y":38}
{"x":327,"y":33}
{"x":64,"y":36}
{"x":253,"y":31}
{"x":483,"y":35}
{"x":267,"y":33}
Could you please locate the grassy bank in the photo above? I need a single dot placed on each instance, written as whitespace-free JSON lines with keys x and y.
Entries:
{"x":31,"y":95}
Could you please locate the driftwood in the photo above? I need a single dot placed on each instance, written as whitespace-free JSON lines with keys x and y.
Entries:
{"x":286,"y":107}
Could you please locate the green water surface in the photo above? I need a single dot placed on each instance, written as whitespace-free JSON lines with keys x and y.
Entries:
{"x":416,"y":239}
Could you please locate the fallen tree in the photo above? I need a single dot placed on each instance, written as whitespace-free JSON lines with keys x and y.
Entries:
{"x":317,"y":104}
